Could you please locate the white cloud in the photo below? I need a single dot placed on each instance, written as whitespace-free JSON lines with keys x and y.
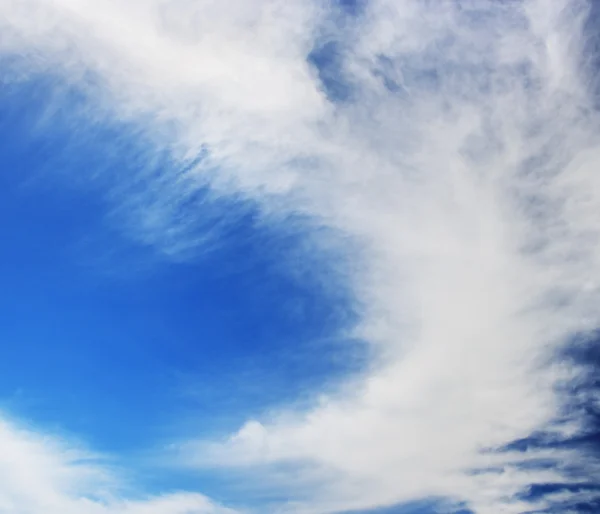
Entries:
{"x":467,"y":176}
{"x":44,"y":473}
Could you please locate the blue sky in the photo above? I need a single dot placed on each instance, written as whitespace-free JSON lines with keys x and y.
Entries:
{"x":105,"y":328}
{"x":298,"y":257}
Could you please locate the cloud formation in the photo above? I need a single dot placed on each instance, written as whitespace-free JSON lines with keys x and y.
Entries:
{"x":42,"y":473}
{"x":460,"y":160}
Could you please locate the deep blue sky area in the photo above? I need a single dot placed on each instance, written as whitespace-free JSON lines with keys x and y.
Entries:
{"x":107,"y":337}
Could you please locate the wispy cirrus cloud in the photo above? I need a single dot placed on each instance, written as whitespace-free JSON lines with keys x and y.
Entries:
{"x":460,"y":159}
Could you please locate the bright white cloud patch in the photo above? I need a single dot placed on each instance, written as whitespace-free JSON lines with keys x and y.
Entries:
{"x":462,"y":160}
{"x":44,"y":474}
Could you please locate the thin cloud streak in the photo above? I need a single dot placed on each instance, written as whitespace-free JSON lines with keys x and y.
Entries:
{"x":462,"y":161}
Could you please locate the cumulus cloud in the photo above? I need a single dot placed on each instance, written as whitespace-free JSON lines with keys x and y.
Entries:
{"x":461,"y":160}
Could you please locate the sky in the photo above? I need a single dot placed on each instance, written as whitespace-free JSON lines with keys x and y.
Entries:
{"x":299,"y":257}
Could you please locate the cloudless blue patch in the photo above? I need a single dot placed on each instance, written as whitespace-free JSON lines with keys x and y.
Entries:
{"x":327,"y":55}
{"x":327,"y":60}
{"x":385,"y":72}
{"x":103,"y":337}
{"x":590,"y":55}
{"x":352,"y":7}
